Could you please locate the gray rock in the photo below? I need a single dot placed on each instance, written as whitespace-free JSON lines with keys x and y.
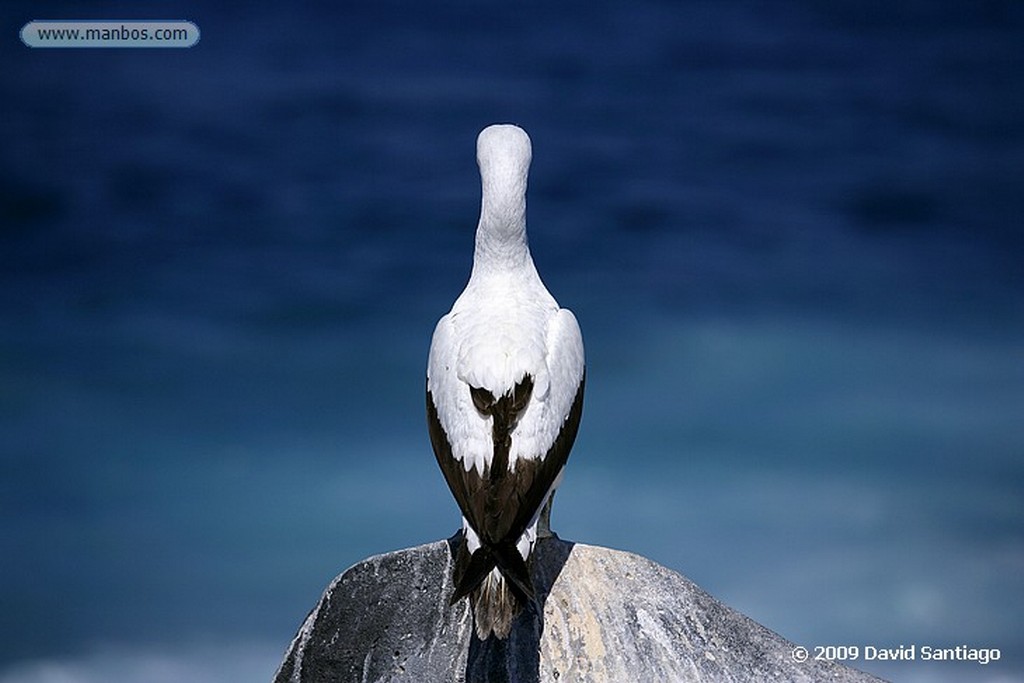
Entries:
{"x":603,"y":615}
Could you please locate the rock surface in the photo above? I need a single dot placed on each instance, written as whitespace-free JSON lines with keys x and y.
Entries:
{"x":603,"y":615}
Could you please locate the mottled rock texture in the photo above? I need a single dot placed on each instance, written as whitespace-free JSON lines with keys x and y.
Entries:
{"x":603,"y":615}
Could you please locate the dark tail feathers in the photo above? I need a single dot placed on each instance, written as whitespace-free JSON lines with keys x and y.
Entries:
{"x":509,"y":562}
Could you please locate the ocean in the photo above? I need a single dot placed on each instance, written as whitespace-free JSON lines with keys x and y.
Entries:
{"x":791,"y":233}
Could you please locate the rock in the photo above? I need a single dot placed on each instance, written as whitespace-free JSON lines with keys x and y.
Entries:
{"x":604,"y":615}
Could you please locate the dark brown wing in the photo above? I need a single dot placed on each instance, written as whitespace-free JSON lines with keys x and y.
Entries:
{"x":499,"y":505}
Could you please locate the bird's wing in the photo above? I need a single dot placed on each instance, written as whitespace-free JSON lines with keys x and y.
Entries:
{"x":547,"y":428}
{"x":552,"y":403}
{"x":456,"y":431}
{"x":501,"y":505}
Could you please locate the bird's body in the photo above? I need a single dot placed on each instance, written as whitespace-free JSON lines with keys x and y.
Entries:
{"x":505,"y":382}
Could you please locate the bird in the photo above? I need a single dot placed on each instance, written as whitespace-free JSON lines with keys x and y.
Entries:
{"x":505,"y":378}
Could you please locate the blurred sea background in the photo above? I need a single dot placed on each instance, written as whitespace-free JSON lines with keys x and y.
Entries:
{"x":791,"y":233}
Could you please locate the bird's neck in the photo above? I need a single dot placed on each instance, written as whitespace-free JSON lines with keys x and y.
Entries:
{"x":501,"y":244}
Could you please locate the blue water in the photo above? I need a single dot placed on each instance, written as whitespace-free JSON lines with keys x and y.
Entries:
{"x":792,"y":235}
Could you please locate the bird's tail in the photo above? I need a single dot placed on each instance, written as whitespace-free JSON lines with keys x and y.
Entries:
{"x":498,"y":582}
{"x":494,"y":607}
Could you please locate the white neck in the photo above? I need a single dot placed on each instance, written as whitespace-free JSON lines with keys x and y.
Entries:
{"x":503,"y":154}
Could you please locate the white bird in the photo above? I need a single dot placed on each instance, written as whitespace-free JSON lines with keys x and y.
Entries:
{"x":504,"y":394}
